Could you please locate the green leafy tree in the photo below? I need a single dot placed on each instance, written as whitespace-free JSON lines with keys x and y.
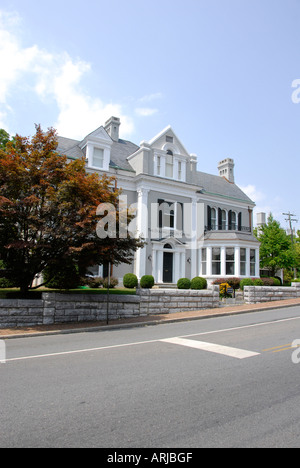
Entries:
{"x":48,"y":211}
{"x":276,"y":250}
{"x":4,"y":138}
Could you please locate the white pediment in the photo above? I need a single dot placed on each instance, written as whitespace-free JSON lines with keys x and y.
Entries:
{"x":167,"y":139}
{"x":97,"y":136}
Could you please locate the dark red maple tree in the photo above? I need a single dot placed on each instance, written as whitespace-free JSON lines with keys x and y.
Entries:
{"x":48,"y":211}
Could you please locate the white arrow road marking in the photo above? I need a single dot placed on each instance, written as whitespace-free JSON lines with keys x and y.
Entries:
{"x":213,"y":348}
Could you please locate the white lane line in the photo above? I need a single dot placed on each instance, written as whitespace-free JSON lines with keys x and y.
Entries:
{"x":62,"y":353}
{"x":77,"y":351}
{"x":213,"y":348}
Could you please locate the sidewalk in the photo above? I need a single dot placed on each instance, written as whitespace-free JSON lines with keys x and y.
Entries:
{"x":42,"y":330}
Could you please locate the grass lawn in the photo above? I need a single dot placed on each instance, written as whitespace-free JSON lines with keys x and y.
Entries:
{"x":14,"y":293}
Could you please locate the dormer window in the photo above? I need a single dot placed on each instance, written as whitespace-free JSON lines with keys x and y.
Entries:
{"x":98,"y":158}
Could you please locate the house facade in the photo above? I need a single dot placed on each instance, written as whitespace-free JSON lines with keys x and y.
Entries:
{"x":194,"y":224}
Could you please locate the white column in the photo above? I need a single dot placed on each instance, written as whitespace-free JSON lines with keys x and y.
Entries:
{"x":177,"y":270}
{"x":223,"y":261}
{"x":209,"y":261}
{"x":237,"y":262}
{"x":160,"y":261}
{"x":257,"y":267}
{"x":142,"y":230}
{"x":193,"y":240}
{"x":154,"y":264}
{"x":248,"y":262}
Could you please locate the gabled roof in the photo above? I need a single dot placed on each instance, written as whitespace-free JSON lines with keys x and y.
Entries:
{"x":170,"y":132}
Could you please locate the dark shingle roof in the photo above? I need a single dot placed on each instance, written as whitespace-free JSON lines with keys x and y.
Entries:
{"x":119,"y":151}
{"x":216,"y":185}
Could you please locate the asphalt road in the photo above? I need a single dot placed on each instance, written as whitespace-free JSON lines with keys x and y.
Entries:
{"x":222,"y":382}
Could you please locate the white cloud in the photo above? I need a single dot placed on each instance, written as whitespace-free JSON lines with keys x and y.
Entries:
{"x":260,"y":199}
{"x":145,"y":111}
{"x":55,"y":78}
{"x":151,"y":97}
{"x":252,"y":192}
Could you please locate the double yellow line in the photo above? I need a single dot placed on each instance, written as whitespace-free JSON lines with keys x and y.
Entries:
{"x":278,"y":349}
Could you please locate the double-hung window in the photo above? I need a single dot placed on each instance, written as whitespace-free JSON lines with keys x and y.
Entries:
{"x":216,"y":261}
{"x":243,"y":261}
{"x":230,"y":261}
{"x":252,"y":262}
{"x":169,"y":164}
{"x":98,"y":158}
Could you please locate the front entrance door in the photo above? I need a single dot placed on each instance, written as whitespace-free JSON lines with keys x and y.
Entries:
{"x":168,"y":267}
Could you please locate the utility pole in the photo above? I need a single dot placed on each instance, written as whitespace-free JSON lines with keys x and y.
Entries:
{"x":291,"y":220}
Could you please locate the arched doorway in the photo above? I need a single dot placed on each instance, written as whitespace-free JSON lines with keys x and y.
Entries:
{"x":168,"y":264}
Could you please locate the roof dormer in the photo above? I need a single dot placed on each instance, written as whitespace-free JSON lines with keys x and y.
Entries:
{"x":97,"y":147}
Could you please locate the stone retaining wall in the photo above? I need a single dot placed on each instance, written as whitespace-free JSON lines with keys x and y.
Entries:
{"x":166,"y":301}
{"x":17,"y":312}
{"x":57,"y":308}
{"x":257,"y":294}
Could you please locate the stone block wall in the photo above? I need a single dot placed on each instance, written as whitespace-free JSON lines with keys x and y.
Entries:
{"x":55,"y":308}
{"x":258,"y":294}
{"x":21,"y":313}
{"x":62,"y":308}
{"x":166,"y":301}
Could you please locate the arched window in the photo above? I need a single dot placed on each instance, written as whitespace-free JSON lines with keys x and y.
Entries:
{"x":168,"y":246}
{"x":169,"y":164}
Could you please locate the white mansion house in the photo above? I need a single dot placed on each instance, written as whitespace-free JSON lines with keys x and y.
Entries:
{"x":195,"y":224}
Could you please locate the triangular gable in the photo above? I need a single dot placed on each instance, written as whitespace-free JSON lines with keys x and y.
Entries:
{"x":169,"y":240}
{"x":160,"y":141}
{"x":98,"y":134}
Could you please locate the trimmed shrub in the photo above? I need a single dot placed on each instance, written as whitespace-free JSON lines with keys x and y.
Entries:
{"x":246,"y":282}
{"x":198,"y":283}
{"x":258,"y":282}
{"x":268,"y":281}
{"x":184,"y":283}
{"x":147,"y":281}
{"x":113,"y":282}
{"x":130,"y":280}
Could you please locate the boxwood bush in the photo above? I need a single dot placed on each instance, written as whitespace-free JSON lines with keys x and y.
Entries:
{"x":246,"y":282}
{"x":147,"y":281}
{"x":130,"y":281}
{"x":184,"y":283}
{"x":198,"y":283}
{"x":258,"y":282}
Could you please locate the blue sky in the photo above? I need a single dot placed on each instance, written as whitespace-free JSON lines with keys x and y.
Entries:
{"x":220,"y":72}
